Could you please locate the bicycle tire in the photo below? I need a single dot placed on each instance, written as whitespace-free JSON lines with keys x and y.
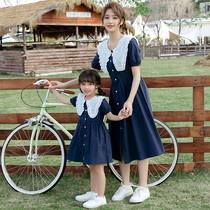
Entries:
{"x":160,"y":167}
{"x":44,"y":170}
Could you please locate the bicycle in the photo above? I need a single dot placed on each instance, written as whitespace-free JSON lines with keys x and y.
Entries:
{"x":33,"y":157}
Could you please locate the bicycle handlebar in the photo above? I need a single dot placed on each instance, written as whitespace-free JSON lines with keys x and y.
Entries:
{"x":42,"y":81}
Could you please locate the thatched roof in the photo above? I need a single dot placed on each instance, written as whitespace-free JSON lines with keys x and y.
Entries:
{"x":30,"y":14}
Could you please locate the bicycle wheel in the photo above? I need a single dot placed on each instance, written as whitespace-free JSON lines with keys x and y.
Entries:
{"x":160,"y":167}
{"x":39,"y":173}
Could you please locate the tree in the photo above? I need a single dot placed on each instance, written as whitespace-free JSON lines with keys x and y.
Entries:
{"x":141,"y":8}
{"x":9,"y":2}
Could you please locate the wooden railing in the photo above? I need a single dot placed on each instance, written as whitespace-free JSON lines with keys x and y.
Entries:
{"x":198,"y":131}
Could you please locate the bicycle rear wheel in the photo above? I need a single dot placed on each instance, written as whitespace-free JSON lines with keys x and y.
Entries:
{"x":39,"y":173}
{"x":160,"y":167}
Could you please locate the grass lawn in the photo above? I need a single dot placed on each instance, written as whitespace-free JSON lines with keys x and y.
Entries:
{"x":183,"y":190}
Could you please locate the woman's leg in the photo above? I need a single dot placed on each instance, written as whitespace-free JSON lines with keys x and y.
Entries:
{"x":143,"y":172}
{"x":125,"y":172}
{"x":125,"y":189}
{"x":142,"y":192}
{"x":98,"y":179}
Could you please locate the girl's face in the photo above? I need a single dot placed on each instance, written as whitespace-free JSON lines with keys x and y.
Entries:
{"x":88,"y":88}
{"x":111,"y":21}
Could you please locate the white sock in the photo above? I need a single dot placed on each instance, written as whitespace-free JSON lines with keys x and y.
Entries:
{"x":128,"y":186}
{"x":100,"y":197}
{"x":143,"y":188}
{"x":93,"y":193}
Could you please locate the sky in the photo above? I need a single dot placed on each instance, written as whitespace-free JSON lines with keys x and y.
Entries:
{"x":14,"y":2}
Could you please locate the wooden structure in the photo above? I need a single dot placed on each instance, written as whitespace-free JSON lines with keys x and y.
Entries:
{"x":199,"y":147}
{"x":58,"y":19}
{"x":66,"y":21}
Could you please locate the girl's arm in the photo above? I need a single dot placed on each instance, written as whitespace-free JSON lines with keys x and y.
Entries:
{"x":118,"y":117}
{"x":60,"y":97}
{"x":128,"y":105}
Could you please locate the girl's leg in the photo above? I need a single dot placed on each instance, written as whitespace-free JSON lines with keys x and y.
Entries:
{"x":98,"y":179}
{"x":93,"y":178}
{"x":143,"y":172}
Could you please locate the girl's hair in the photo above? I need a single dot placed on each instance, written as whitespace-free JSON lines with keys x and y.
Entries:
{"x":120,"y":13}
{"x":92,"y":76}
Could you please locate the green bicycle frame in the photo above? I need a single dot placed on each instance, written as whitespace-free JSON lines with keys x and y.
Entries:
{"x":43,"y":113}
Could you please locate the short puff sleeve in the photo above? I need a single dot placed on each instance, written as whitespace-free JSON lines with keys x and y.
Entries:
{"x":105,"y":107}
{"x":73,"y":101}
{"x":95,"y":62}
{"x":134,"y":57}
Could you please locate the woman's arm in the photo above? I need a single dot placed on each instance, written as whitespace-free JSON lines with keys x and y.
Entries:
{"x":128,"y":105}
{"x":64,"y":85}
{"x":60,"y":97}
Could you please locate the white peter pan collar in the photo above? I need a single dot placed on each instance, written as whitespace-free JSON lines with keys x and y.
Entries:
{"x":119,"y":54}
{"x":92,"y":105}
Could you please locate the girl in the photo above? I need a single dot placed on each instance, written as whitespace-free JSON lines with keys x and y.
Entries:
{"x":135,"y":138}
{"x":91,"y":142}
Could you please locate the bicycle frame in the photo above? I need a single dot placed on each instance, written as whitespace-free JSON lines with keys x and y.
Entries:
{"x":42,"y":117}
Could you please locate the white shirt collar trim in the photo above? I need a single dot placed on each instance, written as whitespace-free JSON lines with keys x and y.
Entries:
{"x":92,"y":105}
{"x":119,"y":54}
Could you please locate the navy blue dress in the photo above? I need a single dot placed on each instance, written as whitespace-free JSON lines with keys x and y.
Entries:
{"x":91,"y":143}
{"x":136,"y":137}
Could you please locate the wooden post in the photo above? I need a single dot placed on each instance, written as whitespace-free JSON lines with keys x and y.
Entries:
{"x":96,"y":36}
{"x":1,"y":47}
{"x":198,"y":104}
{"x":77,"y":36}
{"x":40,"y":37}
{"x":34,"y":33}
{"x":24,"y":39}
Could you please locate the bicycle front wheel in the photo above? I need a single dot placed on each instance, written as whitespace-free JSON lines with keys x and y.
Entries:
{"x":42,"y":170}
{"x":160,"y":167}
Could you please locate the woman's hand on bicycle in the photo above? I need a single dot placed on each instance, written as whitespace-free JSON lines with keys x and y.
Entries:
{"x":57,"y":84}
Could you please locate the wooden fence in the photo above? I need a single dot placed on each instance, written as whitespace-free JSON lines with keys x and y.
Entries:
{"x":198,"y":131}
{"x":184,"y":50}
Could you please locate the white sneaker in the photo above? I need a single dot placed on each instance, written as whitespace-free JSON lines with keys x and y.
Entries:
{"x":85,"y":197}
{"x":95,"y":202}
{"x":140,"y":195}
{"x":122,"y":192}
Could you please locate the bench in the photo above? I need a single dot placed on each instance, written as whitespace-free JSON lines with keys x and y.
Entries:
{"x":170,"y":55}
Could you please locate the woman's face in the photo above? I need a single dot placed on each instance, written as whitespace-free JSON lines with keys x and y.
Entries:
{"x":111,"y":21}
